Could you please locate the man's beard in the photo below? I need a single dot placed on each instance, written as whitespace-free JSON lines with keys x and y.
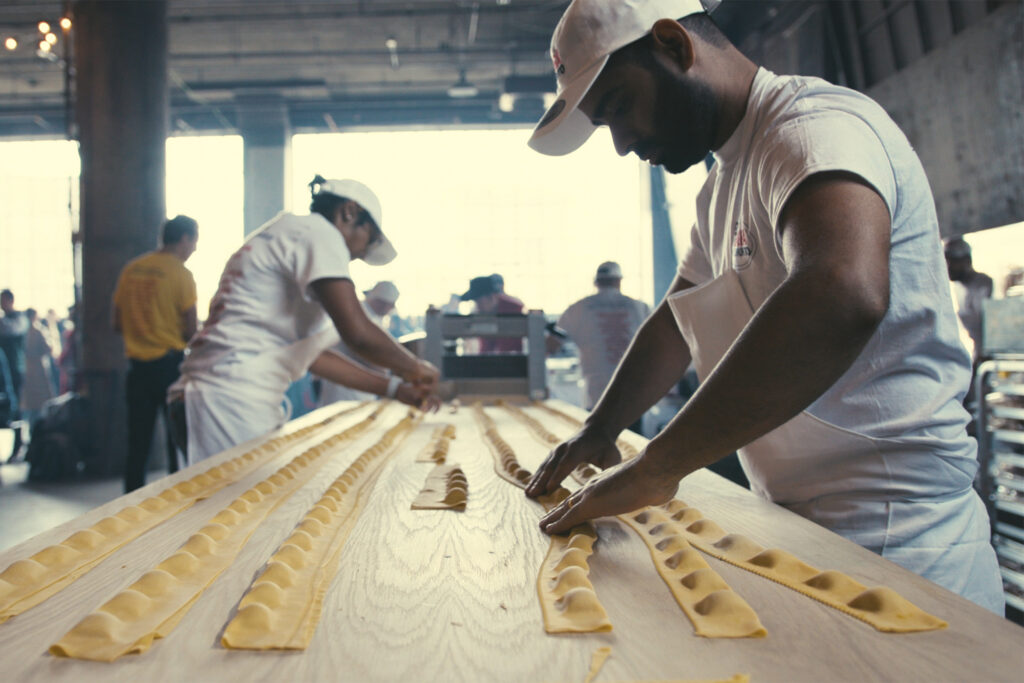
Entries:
{"x":685,"y":114}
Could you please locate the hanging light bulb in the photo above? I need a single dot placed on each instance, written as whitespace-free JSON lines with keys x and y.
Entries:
{"x":51,"y":38}
{"x":44,"y":27}
{"x":11,"y":43}
{"x":65,"y":23}
{"x":44,"y":46}
{"x":506,"y":102}
{"x":462,"y":88}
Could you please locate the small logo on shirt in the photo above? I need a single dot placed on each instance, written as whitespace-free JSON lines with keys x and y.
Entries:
{"x":744,"y":246}
{"x":556,"y":62}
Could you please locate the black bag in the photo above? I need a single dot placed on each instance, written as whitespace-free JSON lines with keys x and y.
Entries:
{"x":60,"y":439}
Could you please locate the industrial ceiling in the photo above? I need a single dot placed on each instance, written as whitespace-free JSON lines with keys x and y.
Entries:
{"x":334,"y":64}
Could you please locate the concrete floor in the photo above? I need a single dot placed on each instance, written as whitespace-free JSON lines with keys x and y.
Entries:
{"x":28,"y":508}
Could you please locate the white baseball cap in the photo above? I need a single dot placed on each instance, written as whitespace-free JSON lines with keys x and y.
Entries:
{"x":587,"y":34}
{"x":383,"y":251}
{"x":384,"y":290}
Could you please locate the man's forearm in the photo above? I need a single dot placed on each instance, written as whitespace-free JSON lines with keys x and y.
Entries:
{"x":654,"y":362}
{"x":336,"y":368}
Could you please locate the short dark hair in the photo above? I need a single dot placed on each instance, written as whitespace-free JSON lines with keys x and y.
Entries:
{"x":704,"y":27}
{"x":700,"y":25}
{"x":179,"y":226}
{"x":7,"y":294}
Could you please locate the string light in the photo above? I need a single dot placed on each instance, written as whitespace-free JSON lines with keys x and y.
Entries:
{"x":44,"y":46}
{"x":44,"y":27}
{"x":65,"y":23}
{"x":51,"y":38}
{"x":10,"y":43}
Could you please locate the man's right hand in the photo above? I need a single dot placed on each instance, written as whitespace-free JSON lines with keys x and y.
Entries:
{"x":586,"y":446}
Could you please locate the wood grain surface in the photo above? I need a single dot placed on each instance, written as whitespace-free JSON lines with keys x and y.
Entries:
{"x":437,"y":595}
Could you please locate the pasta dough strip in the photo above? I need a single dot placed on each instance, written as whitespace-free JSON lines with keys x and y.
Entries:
{"x":445,"y":489}
{"x":30,"y":581}
{"x":568,"y":601}
{"x":436,"y":450}
{"x":881,"y":607}
{"x":152,"y":606}
{"x":714,"y":609}
{"x":282,"y":607}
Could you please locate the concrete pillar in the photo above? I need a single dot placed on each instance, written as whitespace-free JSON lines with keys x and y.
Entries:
{"x":121,"y":108}
{"x":267,"y":156}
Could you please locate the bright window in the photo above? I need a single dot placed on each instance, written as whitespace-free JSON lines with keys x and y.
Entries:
{"x":38,"y":207}
{"x":458,"y":204}
{"x":205,"y":181}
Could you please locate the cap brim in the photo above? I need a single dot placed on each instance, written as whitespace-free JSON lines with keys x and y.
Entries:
{"x":381,"y":253}
{"x":564,"y":127}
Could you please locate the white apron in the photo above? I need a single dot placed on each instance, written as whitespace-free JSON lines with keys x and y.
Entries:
{"x":912,"y":506}
{"x":243,"y":397}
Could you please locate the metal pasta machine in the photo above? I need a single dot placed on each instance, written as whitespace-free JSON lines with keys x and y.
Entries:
{"x":488,"y":354}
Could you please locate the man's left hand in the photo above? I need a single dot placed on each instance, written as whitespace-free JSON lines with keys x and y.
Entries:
{"x":629,"y":486}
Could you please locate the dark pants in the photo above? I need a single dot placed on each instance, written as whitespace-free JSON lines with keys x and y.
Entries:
{"x":146,"y":391}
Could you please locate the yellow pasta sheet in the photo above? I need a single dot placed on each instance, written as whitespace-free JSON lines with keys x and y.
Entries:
{"x":282,"y":607}
{"x":568,"y":601}
{"x":30,"y":581}
{"x":152,"y":606}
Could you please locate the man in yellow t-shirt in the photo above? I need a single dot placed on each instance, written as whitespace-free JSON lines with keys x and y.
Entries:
{"x":155,"y":312}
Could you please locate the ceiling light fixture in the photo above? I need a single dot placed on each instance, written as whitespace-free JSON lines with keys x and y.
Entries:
{"x":506,"y":102}
{"x":462,"y":88}
{"x":392,"y":45}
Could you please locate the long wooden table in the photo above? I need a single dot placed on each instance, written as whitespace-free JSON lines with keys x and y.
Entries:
{"x":450,"y":596}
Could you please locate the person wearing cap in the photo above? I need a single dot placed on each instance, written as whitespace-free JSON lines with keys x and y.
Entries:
{"x":970,"y":287}
{"x":378,"y":301}
{"x":285,"y":298}
{"x":487,"y":292}
{"x":811,"y":298}
{"x":154,"y":311}
{"x":602,"y":325}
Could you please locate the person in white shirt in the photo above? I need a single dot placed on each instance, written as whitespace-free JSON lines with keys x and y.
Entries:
{"x":812,"y":298}
{"x":970,"y":287}
{"x":284,"y":299}
{"x":602,"y":325}
{"x":378,"y":301}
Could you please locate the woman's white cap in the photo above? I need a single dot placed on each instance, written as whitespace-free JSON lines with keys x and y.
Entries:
{"x":383,"y":251}
{"x":587,"y":34}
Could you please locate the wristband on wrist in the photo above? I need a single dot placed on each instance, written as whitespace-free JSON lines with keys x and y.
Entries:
{"x":393,"y":383}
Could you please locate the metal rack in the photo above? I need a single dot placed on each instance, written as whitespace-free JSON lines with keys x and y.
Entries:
{"x":999,"y":392}
{"x":499,"y":374}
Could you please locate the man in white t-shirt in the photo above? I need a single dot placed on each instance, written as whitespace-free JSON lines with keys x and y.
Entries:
{"x":378,"y":301}
{"x":811,"y":298}
{"x":970,"y":287}
{"x":602,"y":325}
{"x":285,"y":298}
